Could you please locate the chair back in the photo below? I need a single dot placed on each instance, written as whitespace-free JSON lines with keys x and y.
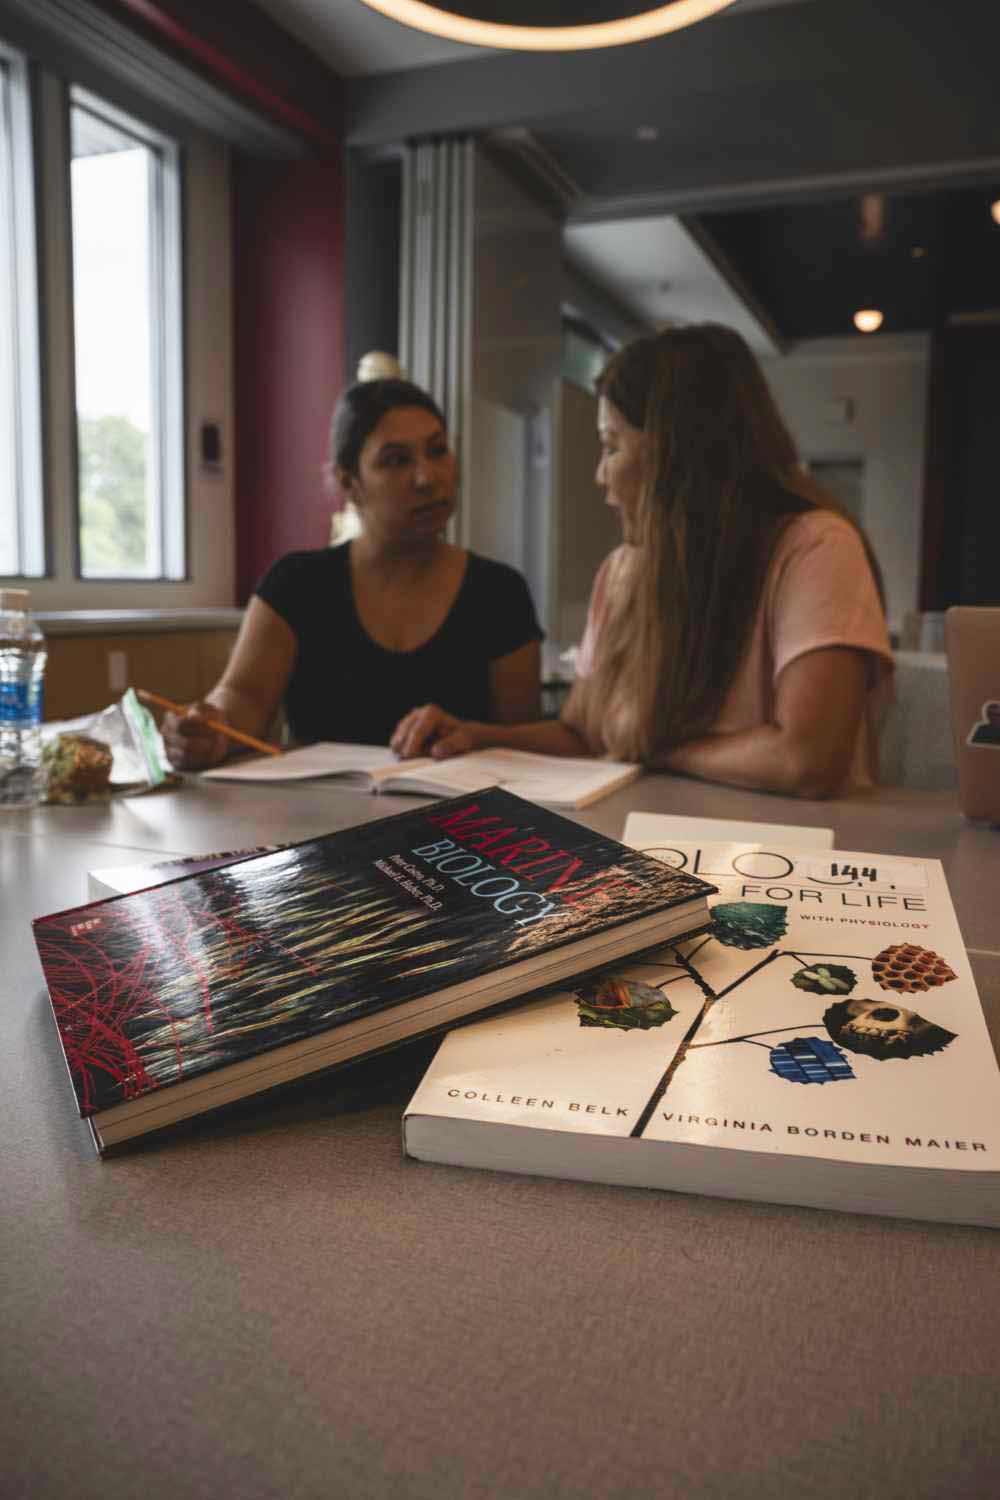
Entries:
{"x":972,"y":637}
{"x":915,"y":742}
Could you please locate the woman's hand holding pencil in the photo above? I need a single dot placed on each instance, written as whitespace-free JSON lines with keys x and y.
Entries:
{"x":198,"y":735}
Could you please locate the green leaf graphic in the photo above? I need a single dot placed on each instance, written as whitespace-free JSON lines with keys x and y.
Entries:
{"x":748,"y":924}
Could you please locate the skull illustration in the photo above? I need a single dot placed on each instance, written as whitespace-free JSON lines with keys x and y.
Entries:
{"x":882,"y":1031}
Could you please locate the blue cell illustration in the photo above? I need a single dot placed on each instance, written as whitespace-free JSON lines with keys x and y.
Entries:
{"x":809,"y":1059}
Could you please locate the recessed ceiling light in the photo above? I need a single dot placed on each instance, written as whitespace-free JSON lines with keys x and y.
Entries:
{"x":995,"y":210}
{"x":647,"y":133}
{"x":868,"y":320}
{"x":501,"y":23}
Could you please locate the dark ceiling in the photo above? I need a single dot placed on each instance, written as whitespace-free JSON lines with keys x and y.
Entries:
{"x":546,"y":12}
{"x":762,"y":99}
{"x":769,"y":122}
{"x":919,"y":258}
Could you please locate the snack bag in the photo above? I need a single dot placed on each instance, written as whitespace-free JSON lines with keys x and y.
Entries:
{"x":117,"y":750}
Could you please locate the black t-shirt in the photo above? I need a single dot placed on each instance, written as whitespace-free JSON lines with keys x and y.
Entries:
{"x":344,"y":686}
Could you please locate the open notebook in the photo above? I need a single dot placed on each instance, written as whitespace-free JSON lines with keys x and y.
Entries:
{"x":552,"y":780}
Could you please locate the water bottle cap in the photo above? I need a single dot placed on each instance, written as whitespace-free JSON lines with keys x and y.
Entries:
{"x":15,"y":599}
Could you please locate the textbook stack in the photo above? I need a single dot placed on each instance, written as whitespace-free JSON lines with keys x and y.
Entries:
{"x":189,"y":994}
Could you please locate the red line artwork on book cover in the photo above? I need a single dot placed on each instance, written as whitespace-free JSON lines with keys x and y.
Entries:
{"x":182,"y":978}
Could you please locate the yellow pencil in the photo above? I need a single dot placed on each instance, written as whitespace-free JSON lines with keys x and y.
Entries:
{"x":216,"y":724}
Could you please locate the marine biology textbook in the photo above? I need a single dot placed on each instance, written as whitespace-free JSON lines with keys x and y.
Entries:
{"x":821,"y":1044}
{"x":193,"y":993}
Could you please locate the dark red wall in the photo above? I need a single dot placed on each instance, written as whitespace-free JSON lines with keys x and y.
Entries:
{"x":288,"y":256}
{"x":241,"y":49}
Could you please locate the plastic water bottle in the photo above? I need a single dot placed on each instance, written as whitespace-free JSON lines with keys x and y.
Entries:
{"x":22,"y":669}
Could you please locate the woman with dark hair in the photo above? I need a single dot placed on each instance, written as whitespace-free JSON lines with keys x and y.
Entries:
{"x":738,"y":632}
{"x":351,"y":638}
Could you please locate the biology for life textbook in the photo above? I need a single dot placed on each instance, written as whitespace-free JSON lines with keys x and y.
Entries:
{"x":821,"y":1043}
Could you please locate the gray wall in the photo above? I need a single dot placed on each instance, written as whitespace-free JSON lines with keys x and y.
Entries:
{"x":885,"y":381}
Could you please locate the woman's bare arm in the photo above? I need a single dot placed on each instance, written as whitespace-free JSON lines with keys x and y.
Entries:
{"x":431,"y":731}
{"x":258,"y":670}
{"x":807,"y":751}
{"x":246,"y":695}
{"x":516,"y":685}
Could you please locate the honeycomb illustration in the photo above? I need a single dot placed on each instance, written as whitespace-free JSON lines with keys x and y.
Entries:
{"x":907,"y":968}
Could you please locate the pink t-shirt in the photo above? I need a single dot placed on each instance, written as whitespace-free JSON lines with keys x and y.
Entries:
{"x":819,"y":591}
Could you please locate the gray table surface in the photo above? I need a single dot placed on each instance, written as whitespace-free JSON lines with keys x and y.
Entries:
{"x":276,"y":1304}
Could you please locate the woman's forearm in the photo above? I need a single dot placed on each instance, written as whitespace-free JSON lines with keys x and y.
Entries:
{"x":430,"y":730}
{"x":807,"y":751}
{"x":242,"y":710}
{"x":544,"y":737}
{"x":763,"y":759}
{"x":253,"y":684}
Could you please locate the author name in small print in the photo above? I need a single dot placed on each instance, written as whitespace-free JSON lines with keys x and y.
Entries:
{"x":812,"y":1132}
{"x":531,"y":1101}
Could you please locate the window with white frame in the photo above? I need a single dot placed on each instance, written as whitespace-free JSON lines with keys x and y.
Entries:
{"x":127,"y":324}
{"x":22,"y":539}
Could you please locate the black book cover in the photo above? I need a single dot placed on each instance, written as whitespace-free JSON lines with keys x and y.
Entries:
{"x":165,"y":984}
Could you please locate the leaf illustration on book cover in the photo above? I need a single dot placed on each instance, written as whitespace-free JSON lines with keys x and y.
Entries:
{"x":748,"y":924}
{"x":626,"y":1004}
{"x":907,"y":968}
{"x":883,"y":1031}
{"x":825,"y":979}
{"x":809,"y":1059}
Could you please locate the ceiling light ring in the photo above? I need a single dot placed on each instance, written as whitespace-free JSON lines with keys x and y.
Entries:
{"x":640,"y":27}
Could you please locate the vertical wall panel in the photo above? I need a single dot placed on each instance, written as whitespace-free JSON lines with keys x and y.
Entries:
{"x":480,"y":327}
{"x":288,"y":273}
{"x":435,"y":273}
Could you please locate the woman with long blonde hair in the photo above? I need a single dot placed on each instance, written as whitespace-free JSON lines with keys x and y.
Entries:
{"x":738,"y":632}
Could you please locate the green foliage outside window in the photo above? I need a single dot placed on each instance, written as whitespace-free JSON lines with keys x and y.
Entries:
{"x":112,"y":456}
